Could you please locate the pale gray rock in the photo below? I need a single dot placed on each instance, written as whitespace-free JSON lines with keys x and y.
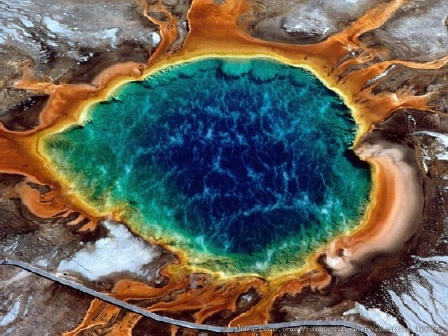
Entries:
{"x":417,"y":32}
{"x":306,"y":21}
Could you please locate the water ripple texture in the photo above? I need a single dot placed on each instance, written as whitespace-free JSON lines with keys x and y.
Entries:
{"x":244,"y":164}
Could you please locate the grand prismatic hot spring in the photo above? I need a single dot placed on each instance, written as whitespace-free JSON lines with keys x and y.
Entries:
{"x":244,"y":164}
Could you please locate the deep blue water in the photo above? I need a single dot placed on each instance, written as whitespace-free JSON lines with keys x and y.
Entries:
{"x":247,"y":159}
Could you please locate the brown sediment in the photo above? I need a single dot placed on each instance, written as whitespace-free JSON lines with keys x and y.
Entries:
{"x":99,"y":313}
{"x":16,"y":159}
{"x":67,"y":101}
{"x":341,"y":62}
{"x":388,"y":224}
{"x":24,"y":115}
